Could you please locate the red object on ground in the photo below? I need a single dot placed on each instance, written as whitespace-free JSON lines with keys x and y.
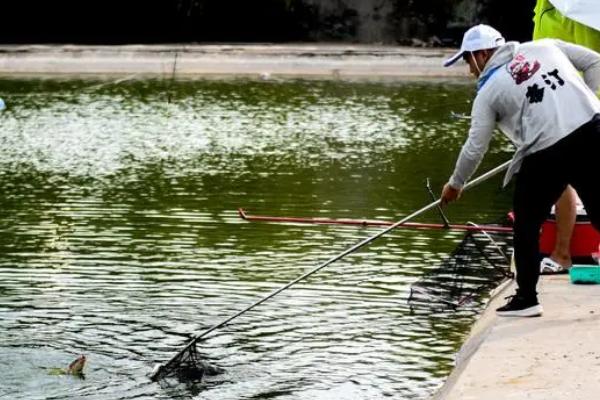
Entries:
{"x":584,"y":242}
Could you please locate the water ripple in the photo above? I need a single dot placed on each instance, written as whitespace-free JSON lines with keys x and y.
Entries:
{"x":120,"y":237}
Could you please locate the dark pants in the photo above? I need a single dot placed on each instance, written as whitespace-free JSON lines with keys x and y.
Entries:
{"x":541,"y":180}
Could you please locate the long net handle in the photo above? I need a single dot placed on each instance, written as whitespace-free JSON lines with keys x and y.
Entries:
{"x":352,"y":249}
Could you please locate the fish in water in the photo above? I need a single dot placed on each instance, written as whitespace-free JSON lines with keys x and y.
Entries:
{"x":75,"y":368}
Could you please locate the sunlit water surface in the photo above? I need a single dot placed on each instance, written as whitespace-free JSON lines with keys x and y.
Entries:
{"x":119,"y":236}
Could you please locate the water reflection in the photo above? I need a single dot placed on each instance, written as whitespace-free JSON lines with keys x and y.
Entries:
{"x":120,"y":237}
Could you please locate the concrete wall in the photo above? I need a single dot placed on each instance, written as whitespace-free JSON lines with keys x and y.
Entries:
{"x":418,"y":21}
{"x":359,"y":20}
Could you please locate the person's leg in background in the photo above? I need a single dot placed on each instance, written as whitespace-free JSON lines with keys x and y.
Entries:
{"x":566,"y":214}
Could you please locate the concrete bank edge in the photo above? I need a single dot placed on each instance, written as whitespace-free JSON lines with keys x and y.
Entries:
{"x":263,"y":61}
{"x":478,"y":334}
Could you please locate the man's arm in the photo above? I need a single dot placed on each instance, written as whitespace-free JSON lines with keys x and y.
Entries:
{"x":585,"y":60}
{"x":483,"y":122}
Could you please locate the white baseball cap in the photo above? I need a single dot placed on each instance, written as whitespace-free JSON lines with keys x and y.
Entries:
{"x":479,"y":37}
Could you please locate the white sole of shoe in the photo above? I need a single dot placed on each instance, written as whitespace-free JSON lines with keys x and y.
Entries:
{"x":534,"y":311}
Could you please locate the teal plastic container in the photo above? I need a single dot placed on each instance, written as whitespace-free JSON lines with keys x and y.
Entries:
{"x":585,"y":273}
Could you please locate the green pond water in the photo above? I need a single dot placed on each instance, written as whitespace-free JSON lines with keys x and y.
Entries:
{"x":119,"y":235}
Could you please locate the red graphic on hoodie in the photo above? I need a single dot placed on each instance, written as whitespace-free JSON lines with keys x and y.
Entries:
{"x":521,"y":69}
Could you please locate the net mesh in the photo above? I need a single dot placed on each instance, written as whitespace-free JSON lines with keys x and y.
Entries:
{"x":186,"y":366}
{"x":478,"y":264}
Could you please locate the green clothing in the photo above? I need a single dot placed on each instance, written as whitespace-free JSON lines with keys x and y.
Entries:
{"x":550,"y":23}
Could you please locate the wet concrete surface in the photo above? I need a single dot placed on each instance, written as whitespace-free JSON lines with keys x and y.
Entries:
{"x":556,"y":356}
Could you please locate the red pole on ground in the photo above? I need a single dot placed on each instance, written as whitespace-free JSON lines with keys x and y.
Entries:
{"x":410,"y":225}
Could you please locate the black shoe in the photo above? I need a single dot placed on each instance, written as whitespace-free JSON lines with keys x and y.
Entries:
{"x":519,"y":306}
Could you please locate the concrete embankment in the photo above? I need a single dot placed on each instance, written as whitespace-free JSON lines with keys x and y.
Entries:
{"x":554,"y":357}
{"x":301,"y":60}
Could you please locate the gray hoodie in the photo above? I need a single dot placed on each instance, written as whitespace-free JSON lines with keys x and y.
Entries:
{"x":535,"y":93}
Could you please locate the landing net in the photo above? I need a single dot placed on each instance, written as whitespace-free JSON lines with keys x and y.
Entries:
{"x":186,"y":366}
{"x":478,"y":264}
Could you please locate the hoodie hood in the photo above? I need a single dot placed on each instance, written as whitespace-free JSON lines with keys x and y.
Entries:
{"x":501,"y":56}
